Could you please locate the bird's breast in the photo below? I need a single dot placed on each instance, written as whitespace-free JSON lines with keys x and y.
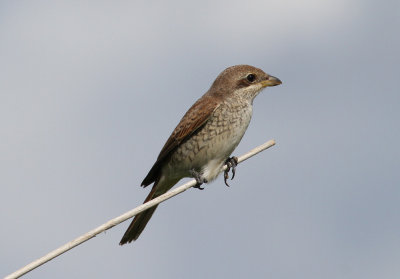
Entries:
{"x":207,"y":149}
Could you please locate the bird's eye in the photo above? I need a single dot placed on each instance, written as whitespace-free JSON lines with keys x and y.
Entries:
{"x":251,"y":77}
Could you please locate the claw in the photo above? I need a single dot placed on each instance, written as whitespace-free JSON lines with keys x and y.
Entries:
{"x":231,"y":163}
{"x":233,"y":171}
{"x":199,"y":179}
{"x":226,"y":176}
{"x":198,"y":186}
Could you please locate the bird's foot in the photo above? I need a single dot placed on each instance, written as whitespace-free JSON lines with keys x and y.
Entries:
{"x":231,"y":163}
{"x":199,"y":179}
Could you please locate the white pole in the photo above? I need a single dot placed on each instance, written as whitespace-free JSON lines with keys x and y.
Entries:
{"x":113,"y":222}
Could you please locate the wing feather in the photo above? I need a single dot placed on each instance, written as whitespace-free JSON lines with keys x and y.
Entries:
{"x":193,"y":120}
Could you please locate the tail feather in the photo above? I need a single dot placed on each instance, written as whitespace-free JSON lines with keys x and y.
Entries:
{"x":137,"y":226}
{"x":140,"y":221}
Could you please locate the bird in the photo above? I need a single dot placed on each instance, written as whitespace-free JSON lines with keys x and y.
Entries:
{"x":205,"y":137}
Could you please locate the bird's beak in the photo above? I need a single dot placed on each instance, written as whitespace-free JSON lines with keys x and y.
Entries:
{"x":271,"y":81}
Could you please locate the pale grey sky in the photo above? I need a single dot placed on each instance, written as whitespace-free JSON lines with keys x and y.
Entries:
{"x":90,"y":91}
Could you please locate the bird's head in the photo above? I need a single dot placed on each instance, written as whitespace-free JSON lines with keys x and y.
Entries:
{"x":242,"y":81}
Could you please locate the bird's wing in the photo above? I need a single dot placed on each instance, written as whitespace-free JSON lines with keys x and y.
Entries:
{"x":194,"y":119}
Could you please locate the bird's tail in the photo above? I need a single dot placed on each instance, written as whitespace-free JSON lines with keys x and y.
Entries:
{"x":140,"y":221}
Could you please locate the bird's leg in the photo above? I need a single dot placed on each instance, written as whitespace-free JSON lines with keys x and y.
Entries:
{"x":199,"y":179}
{"x":231,"y":163}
